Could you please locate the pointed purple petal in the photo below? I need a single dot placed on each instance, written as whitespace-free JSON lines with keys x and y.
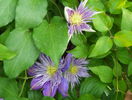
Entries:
{"x":37,"y":83}
{"x":71,"y":29}
{"x":49,"y":90}
{"x":67,"y":62}
{"x":68,"y":12}
{"x":86,"y":27}
{"x":31,"y":70}
{"x":63,"y":87}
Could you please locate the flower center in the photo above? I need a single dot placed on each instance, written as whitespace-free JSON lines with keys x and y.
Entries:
{"x":73,"y":69}
{"x":76,"y":18}
{"x":51,"y":70}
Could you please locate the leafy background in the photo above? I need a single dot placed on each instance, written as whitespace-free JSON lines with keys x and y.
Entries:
{"x":28,"y":27}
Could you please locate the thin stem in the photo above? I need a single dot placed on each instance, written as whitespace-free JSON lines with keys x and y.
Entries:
{"x":111,"y":35}
{"x":56,"y":7}
{"x":25,"y":78}
{"x":23,"y":85}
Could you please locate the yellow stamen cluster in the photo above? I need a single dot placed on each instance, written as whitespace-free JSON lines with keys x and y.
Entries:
{"x":51,"y":70}
{"x":73,"y":69}
{"x":76,"y":18}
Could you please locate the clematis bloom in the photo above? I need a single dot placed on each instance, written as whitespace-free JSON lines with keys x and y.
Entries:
{"x":74,"y":69}
{"x":78,"y":18}
{"x":47,"y":77}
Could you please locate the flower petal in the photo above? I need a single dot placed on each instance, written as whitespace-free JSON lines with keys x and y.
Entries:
{"x":86,"y":27}
{"x":37,"y":83}
{"x":63,"y":87}
{"x":68,"y":12}
{"x":67,"y":62}
{"x":70,"y":30}
{"x":49,"y":90}
{"x":31,"y":70}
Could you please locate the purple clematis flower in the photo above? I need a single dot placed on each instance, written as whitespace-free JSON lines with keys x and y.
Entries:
{"x":1,"y":99}
{"x":77,"y":19}
{"x":74,"y":69}
{"x":47,"y":77}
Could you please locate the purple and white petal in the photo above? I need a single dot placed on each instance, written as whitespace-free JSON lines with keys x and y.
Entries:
{"x":77,"y":69}
{"x":45,"y":76}
{"x":77,"y":19}
{"x":49,"y":90}
{"x":63,"y":87}
{"x":68,"y":12}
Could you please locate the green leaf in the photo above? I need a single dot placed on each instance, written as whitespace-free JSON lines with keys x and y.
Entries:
{"x":102,"y":22}
{"x":52,"y":38}
{"x":117,"y":70}
{"x":15,"y":98}
{"x":34,"y":95}
{"x":92,"y":86}
{"x":80,"y":51}
{"x":123,"y":55}
{"x":103,"y":45}
{"x":115,"y":6}
{"x":5,"y":53}
{"x":70,"y":3}
{"x":105,"y":73}
{"x":126,"y":23}
{"x":87,"y":97}
{"x":123,"y":38}
{"x":8,"y":87}
{"x":5,"y":35}
{"x":96,"y":5}
{"x":79,"y":39}
{"x":7,"y":11}
{"x":121,"y":85}
{"x":47,"y":98}
{"x":130,"y":69}
{"x":21,"y":42}
{"x":30,"y":13}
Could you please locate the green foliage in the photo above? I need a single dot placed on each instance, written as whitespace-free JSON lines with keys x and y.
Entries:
{"x":121,"y":85}
{"x":80,"y":51}
{"x":96,"y":5}
{"x":8,"y":87}
{"x":102,"y":22}
{"x":102,"y":46}
{"x":130,"y":69}
{"x":115,"y":6}
{"x":123,"y":55}
{"x":7,"y":12}
{"x":79,"y":39}
{"x":25,"y":50}
{"x":117,"y":70}
{"x":123,"y":38}
{"x":34,"y":95}
{"x":126,"y":20}
{"x":30,"y":13}
{"x":70,"y":3}
{"x":93,"y":86}
{"x":5,"y":53}
{"x":31,"y":27}
{"x":15,"y":98}
{"x":87,"y":97}
{"x":104,"y":72}
{"x":52,"y":38}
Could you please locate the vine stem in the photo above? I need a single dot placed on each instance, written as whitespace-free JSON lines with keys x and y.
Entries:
{"x":111,"y":35}
{"x":23,"y":85}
